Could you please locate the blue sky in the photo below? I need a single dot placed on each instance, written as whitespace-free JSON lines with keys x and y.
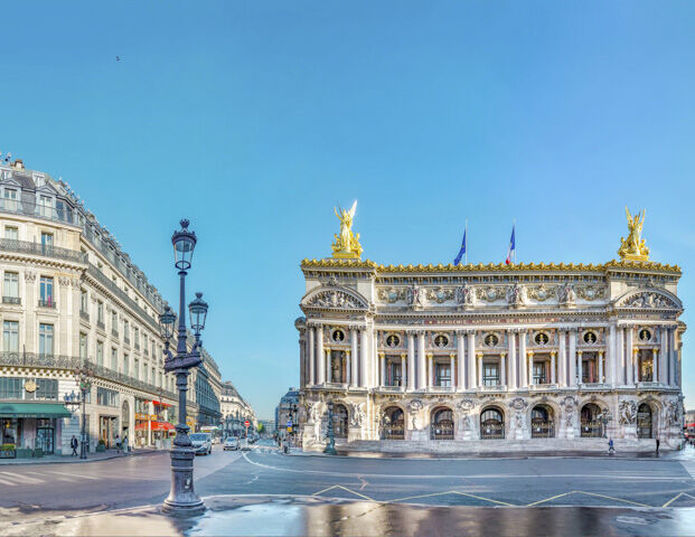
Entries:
{"x":255,"y":118}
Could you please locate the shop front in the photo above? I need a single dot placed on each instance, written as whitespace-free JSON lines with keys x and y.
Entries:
{"x":108,"y":429}
{"x":31,"y":426}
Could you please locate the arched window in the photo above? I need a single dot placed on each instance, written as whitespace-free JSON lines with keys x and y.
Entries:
{"x":644,"y":421}
{"x":491,"y":424}
{"x":340,"y":421}
{"x":542,"y":422}
{"x":442,"y":424}
{"x":393,"y":426}
{"x":591,"y":422}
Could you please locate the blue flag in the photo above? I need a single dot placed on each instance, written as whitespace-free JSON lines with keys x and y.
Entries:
{"x":462,"y":250}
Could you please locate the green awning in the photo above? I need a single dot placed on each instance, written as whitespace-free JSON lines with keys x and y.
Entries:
{"x":33,"y":410}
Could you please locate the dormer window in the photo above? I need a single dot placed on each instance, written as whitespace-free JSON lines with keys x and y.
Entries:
{"x":10,"y":197}
{"x":45,"y":206}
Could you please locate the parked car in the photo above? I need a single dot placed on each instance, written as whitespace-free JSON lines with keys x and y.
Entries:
{"x":202,"y":443}
{"x":232,"y":443}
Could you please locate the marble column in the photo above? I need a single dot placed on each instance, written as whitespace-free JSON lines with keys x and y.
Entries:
{"x":348,"y":368}
{"x":411,"y":362}
{"x":530,"y":368}
{"x":421,"y":362}
{"x":562,"y":359}
{"x":611,"y":357}
{"x":635,"y":365}
{"x":452,"y":358}
{"x":572,"y":359}
{"x":430,"y":368}
{"x":511,"y":345}
{"x":629,"y":358}
{"x":461,"y":363}
{"x":320,"y":356}
{"x":663,"y":353}
{"x":328,"y":367}
{"x":382,"y":363}
{"x":655,"y":364}
{"x":620,"y":357}
{"x":472,"y":374}
{"x":671,"y":357}
{"x":503,"y":369}
{"x":601,"y":378}
{"x":354,"y":358}
{"x":480,"y":368}
{"x":364,"y":356}
{"x":523,"y":360}
{"x":403,"y":364}
{"x":553,"y":378}
{"x":580,"y":369}
{"x":312,"y":357}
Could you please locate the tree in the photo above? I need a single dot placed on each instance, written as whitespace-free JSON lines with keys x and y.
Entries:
{"x":261,"y":428}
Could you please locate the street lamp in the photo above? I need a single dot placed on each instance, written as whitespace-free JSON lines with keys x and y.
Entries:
{"x":83,"y":376}
{"x":182,"y":498}
{"x":330,"y":447}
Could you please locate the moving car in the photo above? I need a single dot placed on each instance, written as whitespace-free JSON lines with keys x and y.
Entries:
{"x":202,"y":443}
{"x":232,"y":443}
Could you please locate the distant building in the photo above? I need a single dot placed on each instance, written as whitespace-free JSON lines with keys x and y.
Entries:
{"x":235,"y":411}
{"x":287,"y":409}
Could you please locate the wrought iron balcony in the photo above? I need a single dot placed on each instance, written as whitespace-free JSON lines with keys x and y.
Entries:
{"x":114,"y":332}
{"x":47,"y":303}
{"x":33,"y":248}
{"x":84,"y":315}
{"x":11,"y":300}
{"x":100,"y":324}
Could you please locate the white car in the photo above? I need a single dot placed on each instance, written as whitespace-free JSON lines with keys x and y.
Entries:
{"x":232,"y":443}
{"x":202,"y":443}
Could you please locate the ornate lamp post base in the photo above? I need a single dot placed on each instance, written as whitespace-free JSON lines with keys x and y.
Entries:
{"x":182,"y":500}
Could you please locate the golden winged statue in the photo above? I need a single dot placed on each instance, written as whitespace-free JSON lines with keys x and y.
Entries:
{"x":633,"y":247}
{"x":346,"y":245}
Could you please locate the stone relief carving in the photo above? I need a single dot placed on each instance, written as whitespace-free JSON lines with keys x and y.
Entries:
{"x":541,"y":292}
{"x":518,"y":403}
{"x":516,"y":295}
{"x":464,"y":295}
{"x":440,"y":295}
{"x":391,"y":294}
{"x":466,"y":405}
{"x":30,"y":276}
{"x":627,"y":411}
{"x":416,"y":297}
{"x":569,"y":404}
{"x":335,"y":299}
{"x":566,"y":294}
{"x":415,"y":405}
{"x":673,"y":413}
{"x":490,"y":293}
{"x":357,"y":414}
{"x":649,"y":300}
{"x":590,"y":292}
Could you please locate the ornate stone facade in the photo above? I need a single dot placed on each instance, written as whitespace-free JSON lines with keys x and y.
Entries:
{"x":466,"y":357}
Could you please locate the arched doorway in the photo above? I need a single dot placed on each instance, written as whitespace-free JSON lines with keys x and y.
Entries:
{"x":491,"y":424}
{"x":542,"y":422}
{"x":340,"y":421}
{"x":442,"y":424}
{"x":125,"y":420}
{"x":393,"y":426}
{"x":590,"y":421}
{"x":644,"y":421}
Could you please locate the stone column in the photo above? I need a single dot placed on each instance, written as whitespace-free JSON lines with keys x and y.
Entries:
{"x":452,"y":357}
{"x":354,"y":373}
{"x":320,"y":356}
{"x":573,"y":357}
{"x":671,"y":357}
{"x":411,"y":362}
{"x":530,"y":368}
{"x":461,"y":369}
{"x":620,"y":357}
{"x":611,"y":355}
{"x":480,"y":368}
{"x":403,"y":358}
{"x":523,"y":360}
{"x":663,"y":353}
{"x":562,"y":359}
{"x":600,"y":367}
{"x":511,"y":345}
{"x":655,"y":364}
{"x":472,"y":375}
{"x":329,"y":369}
{"x":430,"y":368}
{"x":421,"y":365}
{"x":553,"y":378}
{"x":580,"y":368}
{"x":635,"y":365}
{"x":382,"y":362}
{"x":629,"y":358}
{"x":503,"y":369}
{"x":364,"y":357}
{"x":312,"y":357}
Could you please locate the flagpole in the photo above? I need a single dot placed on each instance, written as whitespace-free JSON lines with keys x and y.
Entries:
{"x":514,"y":228}
{"x":465,"y":234}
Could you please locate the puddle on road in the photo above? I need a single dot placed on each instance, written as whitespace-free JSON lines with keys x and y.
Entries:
{"x":288,"y":517}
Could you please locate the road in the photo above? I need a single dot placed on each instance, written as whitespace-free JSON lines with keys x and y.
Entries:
{"x":143,"y":480}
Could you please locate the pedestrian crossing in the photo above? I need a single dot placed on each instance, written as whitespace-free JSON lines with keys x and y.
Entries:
{"x":689,"y":467}
{"x":9,"y":478}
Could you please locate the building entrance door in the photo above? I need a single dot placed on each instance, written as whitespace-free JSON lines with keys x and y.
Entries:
{"x":45,"y":438}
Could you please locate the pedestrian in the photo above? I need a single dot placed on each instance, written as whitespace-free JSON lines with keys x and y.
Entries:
{"x":657,"y":445}
{"x":285,"y":446}
{"x":118,"y":443}
{"x":73,"y":445}
{"x":125,"y":444}
{"x":611,"y":449}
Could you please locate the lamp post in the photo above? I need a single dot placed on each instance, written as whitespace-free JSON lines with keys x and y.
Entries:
{"x":330,"y":447}
{"x":182,"y":499}
{"x":83,"y":376}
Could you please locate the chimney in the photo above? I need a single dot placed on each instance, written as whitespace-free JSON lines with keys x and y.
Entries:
{"x":18,"y":164}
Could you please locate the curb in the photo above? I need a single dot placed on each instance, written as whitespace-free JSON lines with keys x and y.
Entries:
{"x":70,"y":460}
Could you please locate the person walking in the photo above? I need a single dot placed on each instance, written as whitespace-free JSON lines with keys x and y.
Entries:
{"x":657,"y":445}
{"x":73,"y":445}
{"x":611,"y":449}
{"x":125,"y":444}
{"x":118,"y":443}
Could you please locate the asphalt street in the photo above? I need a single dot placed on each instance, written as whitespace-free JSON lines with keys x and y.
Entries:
{"x":143,"y":480}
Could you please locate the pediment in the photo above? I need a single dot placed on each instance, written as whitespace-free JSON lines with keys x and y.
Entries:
{"x":649,"y":299}
{"x":334,"y":298}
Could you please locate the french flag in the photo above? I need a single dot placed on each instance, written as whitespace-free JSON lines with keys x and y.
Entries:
{"x":511,"y":253}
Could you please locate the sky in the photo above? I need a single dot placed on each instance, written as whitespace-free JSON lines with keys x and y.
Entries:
{"x":255,"y":118}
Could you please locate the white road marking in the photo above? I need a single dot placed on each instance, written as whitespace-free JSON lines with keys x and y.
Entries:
{"x":80,"y":476}
{"x":23,"y":479}
{"x":689,"y":467}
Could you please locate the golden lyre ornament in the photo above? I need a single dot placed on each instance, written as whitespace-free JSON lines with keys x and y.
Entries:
{"x":346,"y":245}
{"x":633,"y":247}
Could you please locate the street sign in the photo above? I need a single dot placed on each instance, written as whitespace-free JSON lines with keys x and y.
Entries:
{"x":247,"y":423}
{"x":289,"y":423}
{"x":289,"y":428}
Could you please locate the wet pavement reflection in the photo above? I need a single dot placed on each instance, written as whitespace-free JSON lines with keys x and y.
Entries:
{"x":230,"y":516}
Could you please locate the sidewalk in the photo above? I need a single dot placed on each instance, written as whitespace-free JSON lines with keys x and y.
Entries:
{"x":91,"y":457}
